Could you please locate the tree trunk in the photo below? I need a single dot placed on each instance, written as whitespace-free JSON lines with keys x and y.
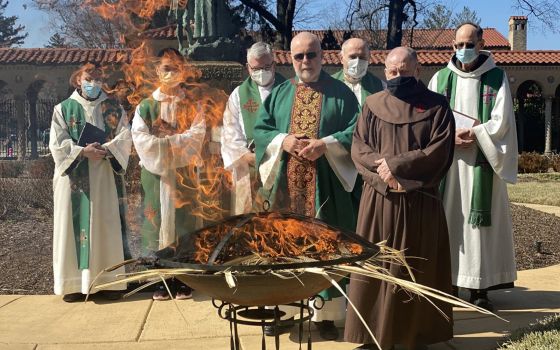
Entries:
{"x":394,"y":30}
{"x":285,"y":10}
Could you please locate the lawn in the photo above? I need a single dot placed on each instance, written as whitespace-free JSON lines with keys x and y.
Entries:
{"x":536,"y":189}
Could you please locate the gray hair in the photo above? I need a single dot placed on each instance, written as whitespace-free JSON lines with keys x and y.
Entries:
{"x":258,"y":50}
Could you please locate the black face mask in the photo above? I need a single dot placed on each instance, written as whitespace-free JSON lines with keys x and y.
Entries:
{"x":401,"y":86}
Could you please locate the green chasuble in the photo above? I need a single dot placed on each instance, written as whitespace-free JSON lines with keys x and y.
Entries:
{"x":185,"y":222}
{"x":250,"y":102}
{"x":339,"y":110}
{"x":78,"y":172}
{"x":370,"y":84}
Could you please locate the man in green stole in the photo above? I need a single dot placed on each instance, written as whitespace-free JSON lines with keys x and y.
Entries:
{"x":303,"y":137}
{"x":168,"y":140}
{"x":240,"y":115}
{"x":354,"y":56}
{"x":474,"y":190}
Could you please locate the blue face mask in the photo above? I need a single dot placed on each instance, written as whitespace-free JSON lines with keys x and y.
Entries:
{"x":466,"y":56}
{"x":91,"y":89}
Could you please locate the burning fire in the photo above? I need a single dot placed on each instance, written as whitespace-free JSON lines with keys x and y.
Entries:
{"x":200,"y":183}
{"x":273,"y":239}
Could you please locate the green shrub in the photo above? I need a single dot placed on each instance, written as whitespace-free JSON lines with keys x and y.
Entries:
{"x":543,"y":335}
{"x":11,"y":168}
{"x":532,"y":162}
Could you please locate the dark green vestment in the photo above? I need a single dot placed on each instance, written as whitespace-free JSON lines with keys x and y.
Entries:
{"x":339,"y":112}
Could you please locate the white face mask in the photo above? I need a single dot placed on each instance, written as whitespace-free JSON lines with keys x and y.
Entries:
{"x":170,"y":79}
{"x":262,"y":77}
{"x":357,"y":68}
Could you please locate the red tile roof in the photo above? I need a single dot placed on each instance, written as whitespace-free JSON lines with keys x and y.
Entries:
{"x":439,"y":58}
{"x":44,"y":56}
{"x":439,"y":39}
{"x":58,"y":56}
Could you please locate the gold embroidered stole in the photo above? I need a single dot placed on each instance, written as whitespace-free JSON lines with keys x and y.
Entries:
{"x":302,"y":174}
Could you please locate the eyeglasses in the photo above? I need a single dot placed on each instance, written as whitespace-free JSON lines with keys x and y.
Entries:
{"x":300,"y":56}
{"x":465,"y":45}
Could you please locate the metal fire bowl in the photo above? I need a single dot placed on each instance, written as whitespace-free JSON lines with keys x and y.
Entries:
{"x":259,"y":289}
{"x":258,"y":285}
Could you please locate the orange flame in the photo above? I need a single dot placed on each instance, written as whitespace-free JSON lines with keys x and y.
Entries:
{"x":199,"y":186}
{"x":273,"y":237}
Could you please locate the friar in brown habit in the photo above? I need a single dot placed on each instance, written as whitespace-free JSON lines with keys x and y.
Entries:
{"x":402,"y":146}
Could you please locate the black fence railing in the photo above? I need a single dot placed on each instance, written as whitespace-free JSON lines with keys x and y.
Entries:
{"x":24,"y":127}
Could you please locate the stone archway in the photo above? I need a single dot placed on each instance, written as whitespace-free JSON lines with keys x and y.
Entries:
{"x":529,"y":111}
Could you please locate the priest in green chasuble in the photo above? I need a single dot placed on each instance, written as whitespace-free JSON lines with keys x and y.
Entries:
{"x":303,"y":138}
{"x":240,"y":115}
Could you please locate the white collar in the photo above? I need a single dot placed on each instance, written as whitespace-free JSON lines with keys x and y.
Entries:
{"x":76,"y":96}
{"x":160,"y":96}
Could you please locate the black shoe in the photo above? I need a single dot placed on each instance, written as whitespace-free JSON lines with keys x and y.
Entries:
{"x":484,"y":303}
{"x":183,"y":292}
{"x":272,"y":331}
{"x":455,"y":291}
{"x":480,"y":298}
{"x":74,"y":297}
{"x":327,"y":330}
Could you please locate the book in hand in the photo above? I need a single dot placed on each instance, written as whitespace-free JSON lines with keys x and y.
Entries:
{"x":463,"y":121}
{"x":91,"y":134}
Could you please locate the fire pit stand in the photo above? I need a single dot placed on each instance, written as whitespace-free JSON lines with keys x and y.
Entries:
{"x":261,"y":316}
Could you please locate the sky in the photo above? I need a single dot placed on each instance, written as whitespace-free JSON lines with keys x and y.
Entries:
{"x":493,"y":14}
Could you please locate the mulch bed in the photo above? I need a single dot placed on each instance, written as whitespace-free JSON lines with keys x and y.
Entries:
{"x":26,"y":247}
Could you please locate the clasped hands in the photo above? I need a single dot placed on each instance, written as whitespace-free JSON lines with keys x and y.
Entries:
{"x":386,"y":175}
{"x":304,"y":148}
{"x":464,"y":138}
{"x":94,"y":151}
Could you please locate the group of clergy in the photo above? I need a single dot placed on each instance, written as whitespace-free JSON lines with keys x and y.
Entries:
{"x":385,"y":159}
{"x":381,"y":158}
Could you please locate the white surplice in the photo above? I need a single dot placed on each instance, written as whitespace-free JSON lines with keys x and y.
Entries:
{"x":482,"y":257}
{"x":106,"y":246}
{"x":162,"y":155}
{"x":234,"y":146}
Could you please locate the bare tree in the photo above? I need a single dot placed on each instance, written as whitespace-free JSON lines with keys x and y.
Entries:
{"x":79,"y":25}
{"x":546,"y":11}
{"x":282,"y":21}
